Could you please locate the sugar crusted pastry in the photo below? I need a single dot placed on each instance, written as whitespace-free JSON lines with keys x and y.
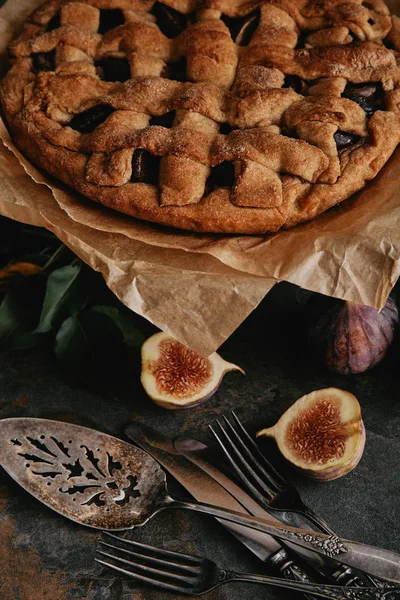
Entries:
{"x":235,"y":116}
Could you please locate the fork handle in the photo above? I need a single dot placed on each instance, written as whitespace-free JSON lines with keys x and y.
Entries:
{"x":315,"y":519}
{"x":288,"y":569}
{"x":349,"y":577}
{"x":332,"y":592}
{"x":376,"y":561}
{"x":344,"y":575}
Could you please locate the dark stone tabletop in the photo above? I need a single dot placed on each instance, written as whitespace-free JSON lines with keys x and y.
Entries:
{"x":45,"y":557}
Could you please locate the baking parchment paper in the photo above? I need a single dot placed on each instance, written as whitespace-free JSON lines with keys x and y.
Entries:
{"x":200,"y":287}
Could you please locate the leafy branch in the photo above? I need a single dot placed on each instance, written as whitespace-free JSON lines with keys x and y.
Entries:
{"x":49,"y":296}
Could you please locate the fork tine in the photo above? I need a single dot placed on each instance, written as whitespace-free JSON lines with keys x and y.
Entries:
{"x":238,"y":456}
{"x":254,"y":452}
{"x":158,"y":573}
{"x":152,"y":560}
{"x":288,"y":495}
{"x":264,"y":492}
{"x":234,"y":463}
{"x":161,"y":552}
{"x":143,"y":578}
{"x":247,"y":458}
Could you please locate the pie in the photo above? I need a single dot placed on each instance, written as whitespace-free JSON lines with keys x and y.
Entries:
{"x":234,"y":116}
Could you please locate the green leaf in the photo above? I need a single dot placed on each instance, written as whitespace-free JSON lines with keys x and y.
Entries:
{"x":126,"y":321}
{"x":19,"y":314}
{"x":90,"y":346}
{"x":65,"y":296}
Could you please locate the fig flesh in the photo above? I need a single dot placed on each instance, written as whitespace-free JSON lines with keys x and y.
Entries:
{"x":322,"y":434}
{"x":176,"y":377}
{"x":351,"y":337}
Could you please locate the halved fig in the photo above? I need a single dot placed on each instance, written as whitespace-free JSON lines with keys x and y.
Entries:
{"x":174,"y":376}
{"x":322,"y":434}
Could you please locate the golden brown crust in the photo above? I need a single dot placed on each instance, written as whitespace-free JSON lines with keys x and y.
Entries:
{"x":287,"y":108}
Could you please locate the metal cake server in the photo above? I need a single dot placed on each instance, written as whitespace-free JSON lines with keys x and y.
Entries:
{"x":105,"y":483}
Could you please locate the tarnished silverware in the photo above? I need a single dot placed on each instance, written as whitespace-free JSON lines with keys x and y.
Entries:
{"x":274,"y":493}
{"x":260,"y":477}
{"x":205,"y":488}
{"x":199,"y":454}
{"x":194,"y":575}
{"x":100,"y":481}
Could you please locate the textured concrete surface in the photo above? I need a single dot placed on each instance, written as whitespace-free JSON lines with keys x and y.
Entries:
{"x":45,"y":557}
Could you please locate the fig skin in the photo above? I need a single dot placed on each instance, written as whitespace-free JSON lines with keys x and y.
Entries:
{"x":350,"y":337}
{"x":322,"y":434}
{"x":176,"y":377}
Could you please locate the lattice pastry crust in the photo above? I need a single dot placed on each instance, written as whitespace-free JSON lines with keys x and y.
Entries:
{"x":240,"y":116}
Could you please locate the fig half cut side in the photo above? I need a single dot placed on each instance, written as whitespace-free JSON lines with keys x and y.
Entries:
{"x":322,"y":434}
{"x":176,"y":377}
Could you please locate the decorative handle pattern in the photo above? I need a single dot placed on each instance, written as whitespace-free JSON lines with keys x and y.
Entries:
{"x":353,"y":578}
{"x":323,"y":591}
{"x":357,"y":594}
{"x":288,"y":569}
{"x":293,"y":572}
{"x":344,"y":575}
{"x":381,"y":562}
{"x":331,"y":546}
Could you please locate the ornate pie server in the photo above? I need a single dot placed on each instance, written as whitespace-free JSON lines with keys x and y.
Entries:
{"x":105,"y":483}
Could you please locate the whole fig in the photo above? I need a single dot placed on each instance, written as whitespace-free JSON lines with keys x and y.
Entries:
{"x":351,"y":337}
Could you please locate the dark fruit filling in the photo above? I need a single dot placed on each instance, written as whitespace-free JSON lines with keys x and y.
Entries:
{"x":367,"y":95}
{"x":294,"y":83}
{"x":87,"y":121}
{"x":110,"y":18}
{"x":114,"y":69}
{"x":164,"y":120}
{"x":44,"y":61}
{"x":344,"y":139}
{"x":176,"y":71}
{"x":302,"y":39}
{"x":225,"y":128}
{"x":145,"y":167}
{"x":389,"y":44}
{"x":292,"y":133}
{"x":222,"y":175}
{"x":243,"y":29}
{"x":54,"y":23}
{"x":170,"y":22}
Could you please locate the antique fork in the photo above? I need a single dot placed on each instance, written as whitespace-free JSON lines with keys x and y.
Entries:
{"x":193,"y":575}
{"x":272,"y":491}
{"x":262,"y":480}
